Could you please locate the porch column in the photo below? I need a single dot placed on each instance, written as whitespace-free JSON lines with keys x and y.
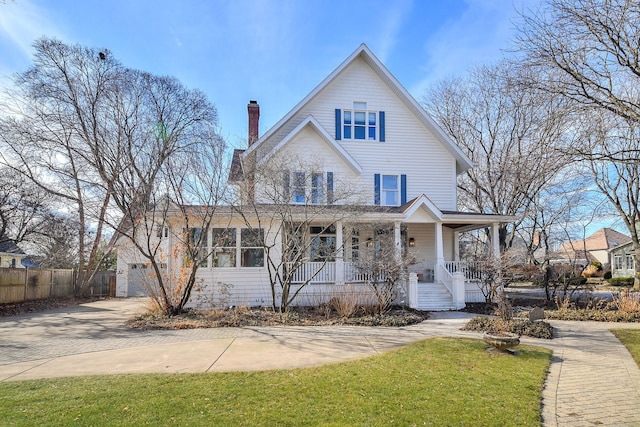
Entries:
{"x":495,"y":239}
{"x":397,"y":240}
{"x":456,"y":246}
{"x":439,"y":243}
{"x":439,"y":250}
{"x":339,"y":254}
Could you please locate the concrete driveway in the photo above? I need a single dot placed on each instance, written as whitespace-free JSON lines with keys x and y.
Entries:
{"x":92,"y":339}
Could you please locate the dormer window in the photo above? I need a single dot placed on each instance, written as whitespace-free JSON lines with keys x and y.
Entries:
{"x":359,"y":123}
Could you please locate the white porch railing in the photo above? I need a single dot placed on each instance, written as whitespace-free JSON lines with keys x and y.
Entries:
{"x":473,"y":270}
{"x":444,"y":276}
{"x":326,"y":272}
{"x":318,"y":272}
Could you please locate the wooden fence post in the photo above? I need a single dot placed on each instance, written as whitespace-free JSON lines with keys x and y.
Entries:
{"x":26,"y":282}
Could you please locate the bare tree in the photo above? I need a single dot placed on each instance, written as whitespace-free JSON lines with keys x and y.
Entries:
{"x":181,"y":209}
{"x":85,"y":129}
{"x":588,"y":51}
{"x":295,"y":206}
{"x":512,"y":133}
{"x":383,"y":266}
{"x":24,"y":208}
{"x":585,"y":50}
{"x":606,"y":135}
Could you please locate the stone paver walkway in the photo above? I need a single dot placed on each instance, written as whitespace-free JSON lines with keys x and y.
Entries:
{"x":592,"y":379}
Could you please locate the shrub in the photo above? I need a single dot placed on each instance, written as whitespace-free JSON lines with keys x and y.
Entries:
{"x":607,"y":275}
{"x":621,"y":281}
{"x":626,"y":302}
{"x":593,"y":315}
{"x":537,"y":329}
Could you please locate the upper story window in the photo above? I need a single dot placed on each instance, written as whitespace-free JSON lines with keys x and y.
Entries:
{"x":390,"y":190}
{"x":360,"y":123}
{"x":308,"y":187}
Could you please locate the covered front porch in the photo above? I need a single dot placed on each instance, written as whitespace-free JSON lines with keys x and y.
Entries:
{"x":458,"y":284}
{"x":435,"y":279}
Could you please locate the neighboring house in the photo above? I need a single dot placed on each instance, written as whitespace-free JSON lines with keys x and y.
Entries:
{"x":622,"y":262}
{"x":595,"y":248}
{"x":358,"y":126}
{"x":11,"y":255}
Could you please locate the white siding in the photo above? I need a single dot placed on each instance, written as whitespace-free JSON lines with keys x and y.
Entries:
{"x":308,"y":151}
{"x":409,"y":147}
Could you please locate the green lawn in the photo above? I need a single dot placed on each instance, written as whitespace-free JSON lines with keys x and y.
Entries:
{"x":631,"y":339}
{"x":440,"y":381}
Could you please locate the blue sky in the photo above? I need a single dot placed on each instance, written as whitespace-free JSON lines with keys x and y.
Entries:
{"x":274,"y":51}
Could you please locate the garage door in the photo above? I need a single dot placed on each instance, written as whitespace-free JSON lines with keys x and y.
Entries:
{"x":138,"y":280}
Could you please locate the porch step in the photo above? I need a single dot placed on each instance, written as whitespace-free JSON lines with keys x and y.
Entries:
{"x":434,"y":297}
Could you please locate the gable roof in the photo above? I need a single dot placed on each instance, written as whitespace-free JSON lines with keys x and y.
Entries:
{"x":311,"y":122}
{"x":603,"y":239}
{"x":460,"y":221}
{"x":463,"y":162}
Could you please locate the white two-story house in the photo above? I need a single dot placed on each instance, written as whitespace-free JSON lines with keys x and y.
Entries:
{"x":362,"y":148}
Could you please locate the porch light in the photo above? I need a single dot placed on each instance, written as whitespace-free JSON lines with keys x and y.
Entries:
{"x":412,"y":242}
{"x":369,"y":242}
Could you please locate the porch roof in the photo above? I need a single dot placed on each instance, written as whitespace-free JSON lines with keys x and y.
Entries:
{"x":460,"y":221}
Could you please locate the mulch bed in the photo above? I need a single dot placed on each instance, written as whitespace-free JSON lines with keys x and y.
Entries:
{"x":296,"y":316}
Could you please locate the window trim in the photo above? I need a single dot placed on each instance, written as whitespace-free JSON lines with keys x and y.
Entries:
{"x":348,"y":128}
{"x":384,"y":191}
{"x":302,"y":188}
{"x":217,"y":250}
{"x":242,"y":248}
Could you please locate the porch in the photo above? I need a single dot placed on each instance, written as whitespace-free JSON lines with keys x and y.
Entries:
{"x":445,"y":286}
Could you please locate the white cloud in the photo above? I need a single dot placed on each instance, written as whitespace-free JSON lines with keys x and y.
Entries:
{"x":392,"y":25}
{"x":21,"y":23}
{"x":477,"y":36}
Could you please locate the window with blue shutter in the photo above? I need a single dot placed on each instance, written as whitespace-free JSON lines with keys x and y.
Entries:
{"x":360,"y":124}
{"x":329,"y":188}
{"x":390,"y":190}
{"x":301,"y":187}
{"x":286,"y":184}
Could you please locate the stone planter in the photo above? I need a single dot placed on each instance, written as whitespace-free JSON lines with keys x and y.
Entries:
{"x":501,"y":340}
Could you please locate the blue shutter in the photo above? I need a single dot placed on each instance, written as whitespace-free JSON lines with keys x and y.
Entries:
{"x":381,"y":120}
{"x":403,"y":189}
{"x":286,"y":185}
{"x":376,"y":186}
{"x":329,"y":188}
{"x":338,"y":124}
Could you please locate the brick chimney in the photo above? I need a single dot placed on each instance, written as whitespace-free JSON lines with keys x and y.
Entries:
{"x":254,"y":118}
